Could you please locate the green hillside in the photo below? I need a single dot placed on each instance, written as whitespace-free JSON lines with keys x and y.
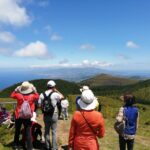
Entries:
{"x":110,"y":107}
{"x":108,"y":80}
{"x":140,"y":89}
{"x":63,"y":86}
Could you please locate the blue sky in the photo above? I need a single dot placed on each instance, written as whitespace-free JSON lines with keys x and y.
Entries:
{"x":107,"y":34}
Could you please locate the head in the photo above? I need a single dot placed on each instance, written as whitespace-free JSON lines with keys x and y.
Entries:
{"x":87,"y":101}
{"x":51,"y":84}
{"x":129,"y":99}
{"x":84,"y":87}
{"x":26,"y":88}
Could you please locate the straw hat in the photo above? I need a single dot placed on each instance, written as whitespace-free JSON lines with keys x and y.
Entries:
{"x":26,"y":88}
{"x":87,"y":101}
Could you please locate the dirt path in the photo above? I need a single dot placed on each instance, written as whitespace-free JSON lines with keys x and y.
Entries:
{"x":62,"y":131}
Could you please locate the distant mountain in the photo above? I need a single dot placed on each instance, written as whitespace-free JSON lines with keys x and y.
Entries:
{"x":63,"y":86}
{"x":108,"y":80}
{"x":9,"y":77}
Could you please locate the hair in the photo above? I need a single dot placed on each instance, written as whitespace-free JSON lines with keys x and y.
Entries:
{"x":49,"y":87}
{"x":129,"y":99}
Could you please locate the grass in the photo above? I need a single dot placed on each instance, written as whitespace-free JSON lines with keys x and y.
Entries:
{"x":110,"y":107}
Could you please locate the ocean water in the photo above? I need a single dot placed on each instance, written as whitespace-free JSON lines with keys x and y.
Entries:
{"x":10,"y":77}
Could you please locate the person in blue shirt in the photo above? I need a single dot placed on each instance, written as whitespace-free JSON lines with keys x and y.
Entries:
{"x":129,"y":114}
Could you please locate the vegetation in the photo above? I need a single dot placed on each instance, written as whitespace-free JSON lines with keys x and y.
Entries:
{"x":110,"y":107}
{"x":108,"y":80}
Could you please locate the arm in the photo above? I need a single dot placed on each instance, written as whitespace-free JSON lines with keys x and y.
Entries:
{"x":137,"y":123}
{"x":72,"y":134}
{"x":119,"y":117}
{"x":101,"y":128}
{"x":41,"y":97}
{"x":61,"y":95}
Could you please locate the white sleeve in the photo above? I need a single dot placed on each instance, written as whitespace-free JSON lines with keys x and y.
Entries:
{"x":41,"y":97}
{"x":119,"y":117}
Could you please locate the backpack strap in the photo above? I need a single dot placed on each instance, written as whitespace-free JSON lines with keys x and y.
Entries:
{"x":49,"y":95}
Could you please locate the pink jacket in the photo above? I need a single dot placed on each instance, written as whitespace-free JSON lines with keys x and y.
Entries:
{"x":19,"y":97}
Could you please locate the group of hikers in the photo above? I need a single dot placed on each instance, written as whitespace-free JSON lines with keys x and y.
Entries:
{"x":87,"y":124}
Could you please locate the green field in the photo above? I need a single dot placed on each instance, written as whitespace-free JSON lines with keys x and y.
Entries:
{"x":110,"y":108}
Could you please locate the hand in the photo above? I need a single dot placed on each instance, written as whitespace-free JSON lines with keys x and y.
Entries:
{"x":17,"y":89}
{"x":34,"y":89}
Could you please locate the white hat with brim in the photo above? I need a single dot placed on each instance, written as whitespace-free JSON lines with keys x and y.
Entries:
{"x":85,"y":106}
{"x":87,"y":101}
{"x":26,"y":88}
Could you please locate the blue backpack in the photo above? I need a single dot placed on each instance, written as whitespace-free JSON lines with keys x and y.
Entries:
{"x":131,"y":115}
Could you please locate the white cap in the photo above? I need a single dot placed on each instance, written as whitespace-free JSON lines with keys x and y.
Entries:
{"x":51,"y":83}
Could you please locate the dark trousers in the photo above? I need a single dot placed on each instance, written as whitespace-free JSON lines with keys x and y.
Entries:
{"x":59,"y":109}
{"x":27,"y":126}
{"x":123,"y":143}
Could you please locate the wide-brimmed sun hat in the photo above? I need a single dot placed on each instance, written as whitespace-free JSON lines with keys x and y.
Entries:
{"x":84,"y":87}
{"x":51,"y":83}
{"x":25,"y":88}
{"x":87,"y":101}
{"x":34,"y":117}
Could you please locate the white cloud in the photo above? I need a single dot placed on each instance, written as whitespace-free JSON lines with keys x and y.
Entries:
{"x":12,"y":13}
{"x":37,"y":49}
{"x":131,"y":44}
{"x":7,"y":37}
{"x":87,"y":47}
{"x":95,"y":63}
{"x":123,"y":57}
{"x":55,"y":37}
{"x":84,"y":63}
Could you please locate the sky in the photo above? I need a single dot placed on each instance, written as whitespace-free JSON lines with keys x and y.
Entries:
{"x":107,"y":34}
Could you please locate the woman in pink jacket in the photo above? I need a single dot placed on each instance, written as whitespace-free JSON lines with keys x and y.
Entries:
{"x":86,"y":125}
{"x":25,"y":92}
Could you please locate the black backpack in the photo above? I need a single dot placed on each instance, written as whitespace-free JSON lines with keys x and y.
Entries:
{"x":47,"y":107}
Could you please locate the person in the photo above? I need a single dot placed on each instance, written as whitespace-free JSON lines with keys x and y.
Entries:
{"x":83,"y":88}
{"x":50,"y":119}
{"x":87,"y":124}
{"x":35,"y":132}
{"x":64,"y":105}
{"x":25,"y":92}
{"x":129,"y":114}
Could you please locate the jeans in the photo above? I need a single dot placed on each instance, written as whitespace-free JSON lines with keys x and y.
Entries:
{"x":27,"y":126}
{"x":51,"y":123}
{"x":123,"y":143}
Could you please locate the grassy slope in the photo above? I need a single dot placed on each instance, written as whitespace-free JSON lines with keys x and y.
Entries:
{"x":105,"y":80}
{"x":110,"y":141}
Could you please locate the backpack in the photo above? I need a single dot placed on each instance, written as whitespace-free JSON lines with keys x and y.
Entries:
{"x":47,"y":107}
{"x":25,"y":111}
{"x":120,"y":126}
